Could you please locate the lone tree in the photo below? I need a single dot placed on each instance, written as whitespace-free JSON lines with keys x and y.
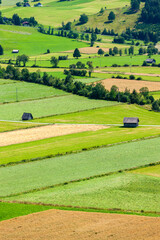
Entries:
{"x":100,"y":52}
{"x":83,"y":19}
{"x":90,"y":67}
{"x":54,"y":61}
{"x":23,"y":58}
{"x":111,"y":16}
{"x":1,"y":50}
{"x":76,"y":53}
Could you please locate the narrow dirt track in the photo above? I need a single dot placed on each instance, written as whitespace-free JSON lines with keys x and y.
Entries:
{"x":38,"y":133}
{"x":122,"y":84}
{"x":70,"y":225}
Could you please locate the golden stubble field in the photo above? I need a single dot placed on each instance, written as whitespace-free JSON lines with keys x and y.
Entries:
{"x":122,"y":84}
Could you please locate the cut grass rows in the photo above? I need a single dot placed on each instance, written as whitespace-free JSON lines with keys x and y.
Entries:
{"x":35,"y":175}
{"x":72,"y":143}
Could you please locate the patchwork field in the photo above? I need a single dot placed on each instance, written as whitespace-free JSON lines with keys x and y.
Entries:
{"x":122,"y":84}
{"x":38,"y":133}
{"x":72,"y":143}
{"x":39,"y":174}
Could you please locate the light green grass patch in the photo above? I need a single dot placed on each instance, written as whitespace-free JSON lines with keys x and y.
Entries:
{"x":21,"y":91}
{"x":121,"y":191}
{"x":50,"y":106}
{"x":10,"y":126}
{"x":40,"y":174}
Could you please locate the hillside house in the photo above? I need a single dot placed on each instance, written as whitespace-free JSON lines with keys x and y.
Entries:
{"x":38,"y":5}
{"x":130,"y":121}
{"x":26,"y":5}
{"x":27,"y":116}
{"x":25,"y":24}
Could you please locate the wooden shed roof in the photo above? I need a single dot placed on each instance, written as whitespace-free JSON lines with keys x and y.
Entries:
{"x":130,"y":120}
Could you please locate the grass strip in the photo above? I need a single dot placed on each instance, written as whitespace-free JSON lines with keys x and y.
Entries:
{"x":77,"y":142}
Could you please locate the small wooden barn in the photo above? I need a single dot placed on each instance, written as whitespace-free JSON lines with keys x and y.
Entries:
{"x":150,"y":60}
{"x":15,"y":51}
{"x":130,"y":121}
{"x":27,"y":116}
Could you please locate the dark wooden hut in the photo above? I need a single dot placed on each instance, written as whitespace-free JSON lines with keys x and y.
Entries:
{"x":130,"y":121}
{"x":27,"y":116}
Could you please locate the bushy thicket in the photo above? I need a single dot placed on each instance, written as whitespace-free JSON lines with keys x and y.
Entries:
{"x":94,"y":91}
{"x":150,"y":12}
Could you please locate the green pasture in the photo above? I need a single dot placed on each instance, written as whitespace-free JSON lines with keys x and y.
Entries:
{"x":54,"y":12}
{"x":152,"y":171}
{"x":40,"y":174}
{"x":25,"y":39}
{"x":50,"y":106}
{"x":110,"y":75}
{"x":156,"y":95}
{"x":6,"y":81}
{"x":111,"y":115}
{"x":132,"y":70}
{"x":12,"y":210}
{"x":121,"y":191}
{"x":21,"y":91}
{"x":10,"y":126}
{"x":73,"y":143}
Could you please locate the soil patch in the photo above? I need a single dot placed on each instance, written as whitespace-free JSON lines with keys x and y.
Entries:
{"x":72,"y":225}
{"x":90,"y":50}
{"x":122,"y":84}
{"x":37,"y":133}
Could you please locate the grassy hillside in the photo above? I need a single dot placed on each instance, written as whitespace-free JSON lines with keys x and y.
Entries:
{"x":54,"y":12}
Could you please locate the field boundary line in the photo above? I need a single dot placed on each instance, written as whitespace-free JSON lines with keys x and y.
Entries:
{"x":85,"y":209}
{"x":75,"y":152}
{"x":82,"y":179}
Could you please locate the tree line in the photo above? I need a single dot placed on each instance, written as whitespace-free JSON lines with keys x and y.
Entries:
{"x":93,"y":91}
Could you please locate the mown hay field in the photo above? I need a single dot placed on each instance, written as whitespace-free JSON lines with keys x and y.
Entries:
{"x":40,"y":174}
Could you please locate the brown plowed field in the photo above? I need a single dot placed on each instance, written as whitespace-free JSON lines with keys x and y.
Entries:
{"x":130,"y":84}
{"x":72,"y":225}
{"x":37,"y":133}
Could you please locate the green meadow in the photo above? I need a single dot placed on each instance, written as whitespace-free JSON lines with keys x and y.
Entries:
{"x":54,"y":12}
{"x":40,"y":174}
{"x":26,"y":38}
{"x":55,"y":105}
{"x":123,"y":191}
{"x":108,"y":115}
{"x":151,"y":171}
{"x":72,"y":143}
{"x":10,"y":126}
{"x":21,"y":91}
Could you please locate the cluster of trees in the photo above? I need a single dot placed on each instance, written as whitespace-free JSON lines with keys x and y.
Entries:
{"x":1,"y":50}
{"x":94,"y":91}
{"x":22,"y":58}
{"x":156,"y":105}
{"x":75,"y":72}
{"x":150,"y":12}
{"x":135,"y":5}
{"x":144,"y":35}
{"x":111,"y":16}
{"x":16,"y":20}
{"x":83,"y":19}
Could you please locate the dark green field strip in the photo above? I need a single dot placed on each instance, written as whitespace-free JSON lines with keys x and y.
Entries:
{"x":72,"y":143}
{"x":40,"y":174}
{"x":111,"y":115}
{"x":50,"y":106}
{"x":12,"y":210}
{"x":127,"y":191}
